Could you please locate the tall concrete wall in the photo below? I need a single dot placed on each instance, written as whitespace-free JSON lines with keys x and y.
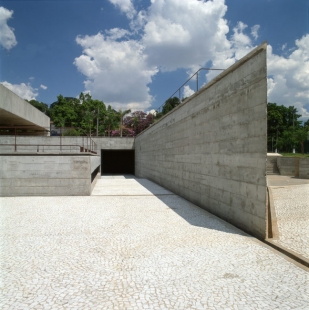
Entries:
{"x":46,"y":175}
{"x":212,"y":150}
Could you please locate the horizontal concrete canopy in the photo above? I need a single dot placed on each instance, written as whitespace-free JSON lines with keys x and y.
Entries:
{"x":14,"y":111}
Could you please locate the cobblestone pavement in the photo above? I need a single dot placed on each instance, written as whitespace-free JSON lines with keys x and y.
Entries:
{"x":292,"y":211}
{"x":136,"y":252}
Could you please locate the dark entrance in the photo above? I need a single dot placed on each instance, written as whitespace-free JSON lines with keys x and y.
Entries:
{"x":117,"y":162}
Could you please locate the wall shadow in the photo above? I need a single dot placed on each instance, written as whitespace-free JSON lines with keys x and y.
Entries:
{"x":190,"y":212}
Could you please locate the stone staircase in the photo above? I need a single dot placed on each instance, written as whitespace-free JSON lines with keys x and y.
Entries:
{"x":272,"y":168}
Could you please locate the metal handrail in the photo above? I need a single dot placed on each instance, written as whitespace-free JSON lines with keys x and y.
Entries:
{"x":179,"y":89}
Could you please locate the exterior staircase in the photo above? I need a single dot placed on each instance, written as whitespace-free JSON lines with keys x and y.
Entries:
{"x":272,"y":168}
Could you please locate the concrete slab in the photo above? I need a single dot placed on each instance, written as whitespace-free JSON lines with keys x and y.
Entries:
{"x":282,"y":180}
{"x":137,"y":252}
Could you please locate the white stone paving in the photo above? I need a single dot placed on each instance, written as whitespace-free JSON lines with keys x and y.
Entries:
{"x":292,"y":212}
{"x":136,"y":252}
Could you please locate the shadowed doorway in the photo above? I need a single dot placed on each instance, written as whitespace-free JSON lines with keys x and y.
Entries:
{"x":117,"y":162}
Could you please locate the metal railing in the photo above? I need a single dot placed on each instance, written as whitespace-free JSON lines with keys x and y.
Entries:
{"x":184,"y":84}
{"x":87,"y":145}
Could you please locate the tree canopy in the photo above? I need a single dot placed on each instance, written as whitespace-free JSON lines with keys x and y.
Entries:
{"x":284,"y":131}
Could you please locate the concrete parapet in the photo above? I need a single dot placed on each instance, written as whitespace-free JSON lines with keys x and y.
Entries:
{"x":31,"y":144}
{"x":211,"y":149}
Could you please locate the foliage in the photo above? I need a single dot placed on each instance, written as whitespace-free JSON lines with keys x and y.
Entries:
{"x":170,"y":104}
{"x":72,"y":132}
{"x":138,"y":121}
{"x":285,"y":132}
{"x":126,"y":132}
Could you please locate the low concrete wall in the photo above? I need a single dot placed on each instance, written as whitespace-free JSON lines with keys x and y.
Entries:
{"x":288,"y":166}
{"x":304,"y":168}
{"x":117,"y":143}
{"x":294,"y":166}
{"x":41,"y":175}
{"x":69,"y":144}
{"x":212,"y":149}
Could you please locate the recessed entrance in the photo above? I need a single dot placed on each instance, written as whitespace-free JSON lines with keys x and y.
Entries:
{"x":117,"y":162}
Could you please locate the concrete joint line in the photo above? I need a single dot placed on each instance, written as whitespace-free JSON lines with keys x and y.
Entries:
{"x":298,"y":258}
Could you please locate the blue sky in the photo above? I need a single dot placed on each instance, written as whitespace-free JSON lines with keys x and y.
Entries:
{"x":136,"y":53}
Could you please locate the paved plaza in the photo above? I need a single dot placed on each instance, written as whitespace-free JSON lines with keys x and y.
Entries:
{"x":291,"y":202}
{"x":135,"y":245}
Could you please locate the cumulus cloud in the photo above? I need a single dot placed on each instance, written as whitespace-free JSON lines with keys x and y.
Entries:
{"x":173,"y":34}
{"x":184,"y":34}
{"x":116,"y":71}
{"x":43,"y":86}
{"x":187,"y":91}
{"x":288,"y":83}
{"x":125,"y":6}
{"x":254,"y":31}
{"x":170,"y":34}
{"x":7,"y":36}
{"x":25,"y":91}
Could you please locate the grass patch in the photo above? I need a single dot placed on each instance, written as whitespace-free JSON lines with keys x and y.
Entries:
{"x":295,"y":155}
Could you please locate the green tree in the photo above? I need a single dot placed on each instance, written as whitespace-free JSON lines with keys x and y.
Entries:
{"x":281,"y":122}
{"x":64,"y":112}
{"x":170,"y":104}
{"x":43,"y":107}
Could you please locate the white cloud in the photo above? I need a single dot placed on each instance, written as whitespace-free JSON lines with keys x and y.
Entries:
{"x":116,"y":71}
{"x":187,"y":91}
{"x":184,"y":34}
{"x":125,"y":6}
{"x":25,"y":91}
{"x":181,"y":34}
{"x":7,"y":37}
{"x":288,"y":83}
{"x":43,"y":86}
{"x":254,"y":31}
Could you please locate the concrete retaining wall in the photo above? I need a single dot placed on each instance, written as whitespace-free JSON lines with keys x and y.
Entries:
{"x":288,"y":165}
{"x":304,"y":168}
{"x":212,"y":149}
{"x":294,"y":166}
{"x":36,"y":175}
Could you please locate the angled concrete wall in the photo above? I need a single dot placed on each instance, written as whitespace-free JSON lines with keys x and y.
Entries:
{"x":212,"y":150}
{"x":47,"y":175}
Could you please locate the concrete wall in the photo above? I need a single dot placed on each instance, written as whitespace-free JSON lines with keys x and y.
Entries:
{"x":35,"y":175}
{"x":16,"y":111}
{"x":212,"y":149}
{"x":304,"y":168}
{"x":288,"y":165}
{"x":52,"y":144}
{"x":294,"y":166}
